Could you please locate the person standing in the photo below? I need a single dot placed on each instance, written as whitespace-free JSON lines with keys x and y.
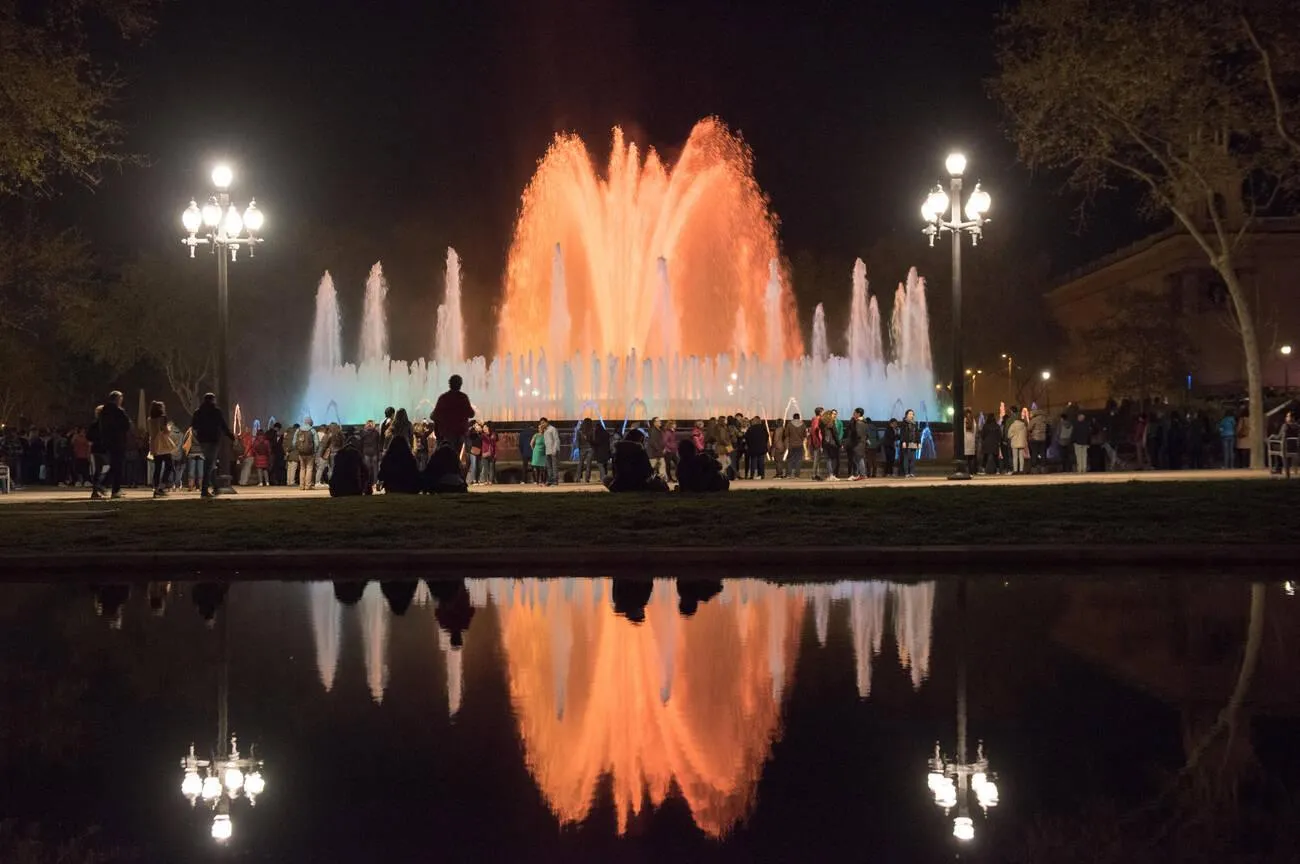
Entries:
{"x":654,"y":447}
{"x":370,"y":451}
{"x":114,"y":436}
{"x":889,"y":444}
{"x":1243,"y":439}
{"x":262,"y":458}
{"x":756,"y":443}
{"x":551,"y":442}
{"x":474,"y":444}
{"x":671,"y":458}
{"x":1018,"y":440}
{"x":208,"y":425}
{"x":909,"y":441}
{"x":1082,"y":440}
{"x":80,"y":458}
{"x":602,"y":450}
{"x":830,"y":443}
{"x":488,"y":460}
{"x":161,"y":446}
{"x":537,"y":448}
{"x":1228,"y":438}
{"x":1064,"y":440}
{"x":968,"y":439}
{"x":1038,"y":433}
{"x":451,"y":415}
{"x":795,"y":434}
{"x":858,"y":444}
{"x":586,"y":448}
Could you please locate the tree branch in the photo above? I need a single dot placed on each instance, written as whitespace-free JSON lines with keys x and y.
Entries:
{"x":1270,"y":81}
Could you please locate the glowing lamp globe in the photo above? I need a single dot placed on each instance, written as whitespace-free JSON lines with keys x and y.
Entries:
{"x":222,"y":176}
{"x":936,"y":203}
{"x":222,"y":827}
{"x":212,"y":214}
{"x":935,"y":780}
{"x":192,"y":218}
{"x":253,"y":218}
{"x":255,"y":784}
{"x":956,"y":164}
{"x":233,"y":223}
{"x":1286,"y":350}
{"x":951,"y":411}
{"x":211,"y":787}
{"x":978,"y":204}
{"x":1047,"y":375}
{"x":234,"y":779}
{"x":987,"y":794}
{"x":191,"y":786}
{"x":963,"y":828}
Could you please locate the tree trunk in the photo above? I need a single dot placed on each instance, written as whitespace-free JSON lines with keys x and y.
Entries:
{"x":1249,"y":344}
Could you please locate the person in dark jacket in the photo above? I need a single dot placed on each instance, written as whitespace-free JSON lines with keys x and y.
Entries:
{"x":632,"y":471}
{"x":909,"y":443}
{"x":1082,"y":441}
{"x":601,"y":450}
{"x":990,"y":444}
{"x":700,"y":471}
{"x":857,"y":435}
{"x":397,"y":470}
{"x":442,"y":474}
{"x":451,"y":416}
{"x":889,"y":446}
{"x":831,"y":443}
{"x":208,"y":425}
{"x":371,"y":444}
{"x":756,"y":444}
{"x":349,"y":476}
{"x":114,"y":436}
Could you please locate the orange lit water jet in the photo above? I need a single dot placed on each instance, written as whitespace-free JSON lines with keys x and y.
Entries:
{"x":705,"y":215}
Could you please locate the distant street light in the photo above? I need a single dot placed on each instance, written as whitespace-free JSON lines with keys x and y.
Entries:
{"x":1286,"y":369}
{"x":1047,"y":390}
{"x":219,"y":225}
{"x":932,"y":211}
{"x":1011,"y":386}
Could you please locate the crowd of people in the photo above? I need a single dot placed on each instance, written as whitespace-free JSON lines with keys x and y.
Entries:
{"x":452,"y":449}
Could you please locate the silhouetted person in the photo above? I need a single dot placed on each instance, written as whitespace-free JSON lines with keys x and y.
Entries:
{"x":451,"y":416}
{"x":114,"y":433}
{"x":632,"y":469}
{"x":349,"y":591}
{"x":208,"y":597}
{"x":700,"y":472}
{"x":692,"y":592}
{"x":109,"y":600}
{"x":397,"y":470}
{"x":454,"y":611}
{"x":631,"y":596}
{"x":442,"y":474}
{"x":349,"y":476}
{"x":208,"y":424}
{"x":399,"y":593}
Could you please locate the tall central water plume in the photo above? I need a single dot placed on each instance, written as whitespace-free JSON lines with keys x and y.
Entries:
{"x":326,"y":347}
{"x":705,"y":216}
{"x":374,"y":329}
{"x":449,"y":345}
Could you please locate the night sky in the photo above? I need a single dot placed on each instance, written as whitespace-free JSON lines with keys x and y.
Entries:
{"x":369,"y":134}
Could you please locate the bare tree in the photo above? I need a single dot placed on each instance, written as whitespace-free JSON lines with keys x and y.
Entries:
{"x":1164,"y":95}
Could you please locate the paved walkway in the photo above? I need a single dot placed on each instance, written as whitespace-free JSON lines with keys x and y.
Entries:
{"x":253,"y":493}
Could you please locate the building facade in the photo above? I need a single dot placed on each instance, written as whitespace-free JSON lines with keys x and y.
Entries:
{"x":1170,"y":264}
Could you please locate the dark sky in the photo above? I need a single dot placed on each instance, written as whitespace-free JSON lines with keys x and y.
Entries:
{"x":391,"y":130}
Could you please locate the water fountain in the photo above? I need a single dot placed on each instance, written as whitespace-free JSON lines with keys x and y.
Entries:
{"x":650,"y":283}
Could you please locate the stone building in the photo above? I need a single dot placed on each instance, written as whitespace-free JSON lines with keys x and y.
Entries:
{"x":1171,"y":263}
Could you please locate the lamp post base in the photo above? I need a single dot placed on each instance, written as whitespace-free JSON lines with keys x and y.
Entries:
{"x":960,"y":471}
{"x":223,"y":484}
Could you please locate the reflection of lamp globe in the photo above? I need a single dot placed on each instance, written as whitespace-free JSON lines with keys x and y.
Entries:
{"x":234,"y":779}
{"x":255,"y":784}
{"x":963,"y":828}
{"x":987,"y":794}
{"x":978,"y":779}
{"x":935,"y":781}
{"x":191,"y":786}
{"x":211,"y":787}
{"x":946,"y":796}
{"x":222,"y":827}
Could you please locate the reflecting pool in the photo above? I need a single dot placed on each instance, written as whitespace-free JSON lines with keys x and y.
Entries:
{"x":682,"y":719}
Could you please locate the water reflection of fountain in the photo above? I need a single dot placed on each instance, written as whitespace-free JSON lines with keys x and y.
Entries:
{"x":912,"y":613}
{"x":326,"y":628}
{"x":375,"y":616}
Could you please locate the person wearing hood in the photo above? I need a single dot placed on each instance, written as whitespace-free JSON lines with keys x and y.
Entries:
{"x":349,"y":476}
{"x":401,"y":427}
{"x":397,"y":470}
{"x":794,"y":433}
{"x":1038,"y":440}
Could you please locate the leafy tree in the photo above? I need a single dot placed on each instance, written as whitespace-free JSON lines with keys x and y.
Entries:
{"x":147,"y":316}
{"x":1165,"y":95}
{"x":1141,"y":349}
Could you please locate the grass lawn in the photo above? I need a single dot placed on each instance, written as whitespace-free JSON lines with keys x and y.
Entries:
{"x":1130,"y":513}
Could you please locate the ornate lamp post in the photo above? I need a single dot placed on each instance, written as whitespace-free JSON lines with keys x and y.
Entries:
{"x":219,"y":226}
{"x":933,"y":212}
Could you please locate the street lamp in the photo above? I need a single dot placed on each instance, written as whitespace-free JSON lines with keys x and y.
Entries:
{"x":1047,"y":390}
{"x":933,"y":212}
{"x":1285,"y":351}
{"x":1011,"y":386}
{"x":219,"y":225}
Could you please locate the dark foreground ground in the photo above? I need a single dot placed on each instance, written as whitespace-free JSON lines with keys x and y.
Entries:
{"x":1219,"y":513}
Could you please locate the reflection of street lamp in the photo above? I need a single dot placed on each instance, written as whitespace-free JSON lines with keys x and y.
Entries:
{"x":952,"y":780}
{"x":228,"y":775}
{"x":219,"y":225}
{"x":1285,"y":351}
{"x":932,"y":211}
{"x":1047,"y":390}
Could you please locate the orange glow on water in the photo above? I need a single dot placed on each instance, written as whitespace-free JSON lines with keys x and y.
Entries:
{"x":694,"y":702}
{"x":705,"y":215}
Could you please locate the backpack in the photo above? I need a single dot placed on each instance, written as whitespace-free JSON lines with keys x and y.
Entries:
{"x":304,"y":443}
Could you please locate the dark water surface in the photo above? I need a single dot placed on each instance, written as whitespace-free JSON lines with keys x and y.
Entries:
{"x":675,"y":720}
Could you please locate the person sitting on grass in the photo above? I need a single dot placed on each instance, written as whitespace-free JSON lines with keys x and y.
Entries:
{"x":397,"y":470}
{"x":442,"y":474}
{"x":699,"y":471}
{"x":349,"y":476}
{"x":632,"y":470}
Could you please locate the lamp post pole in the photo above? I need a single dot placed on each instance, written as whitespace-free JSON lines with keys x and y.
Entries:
{"x":1286,"y":369}
{"x":219,"y":226}
{"x":1047,"y":390}
{"x":933,"y":212}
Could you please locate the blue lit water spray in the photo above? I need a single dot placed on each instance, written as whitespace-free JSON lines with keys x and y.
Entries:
{"x":627,"y":418}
